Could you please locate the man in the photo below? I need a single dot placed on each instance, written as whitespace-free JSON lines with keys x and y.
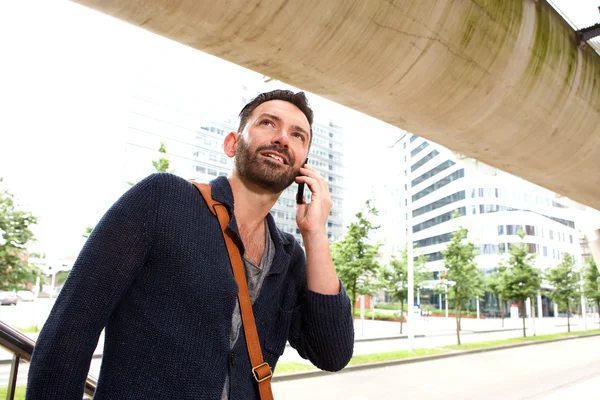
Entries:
{"x":155,"y":274}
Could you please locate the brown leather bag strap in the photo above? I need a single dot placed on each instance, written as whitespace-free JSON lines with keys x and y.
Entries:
{"x":260,"y":369}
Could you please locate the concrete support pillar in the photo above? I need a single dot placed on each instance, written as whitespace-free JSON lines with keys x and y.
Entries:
{"x":539,"y":305}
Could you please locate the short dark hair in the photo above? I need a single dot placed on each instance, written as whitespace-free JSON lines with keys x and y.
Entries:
{"x":298,"y":99}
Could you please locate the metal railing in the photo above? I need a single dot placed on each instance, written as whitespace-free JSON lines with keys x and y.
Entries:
{"x":21,"y":347}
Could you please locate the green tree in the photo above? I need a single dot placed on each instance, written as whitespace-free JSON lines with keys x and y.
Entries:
{"x":15,"y":234}
{"x":495,"y":285}
{"x":162,"y":164}
{"x":88,"y":232}
{"x":355,"y":258}
{"x":521,"y":279}
{"x":394,"y":278}
{"x":461,"y":269}
{"x":565,"y":282}
{"x":591,"y":283}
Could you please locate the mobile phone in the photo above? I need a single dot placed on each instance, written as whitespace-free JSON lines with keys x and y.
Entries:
{"x":300,"y":194}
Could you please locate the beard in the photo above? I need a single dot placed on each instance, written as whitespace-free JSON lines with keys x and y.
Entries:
{"x":268,"y":175}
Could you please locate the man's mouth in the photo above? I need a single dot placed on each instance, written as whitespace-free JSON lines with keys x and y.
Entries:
{"x":276,"y":157}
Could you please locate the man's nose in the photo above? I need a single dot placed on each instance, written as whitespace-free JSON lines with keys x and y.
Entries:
{"x":281,"y":138}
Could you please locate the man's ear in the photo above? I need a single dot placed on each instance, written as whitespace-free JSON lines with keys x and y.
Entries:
{"x":230,"y":144}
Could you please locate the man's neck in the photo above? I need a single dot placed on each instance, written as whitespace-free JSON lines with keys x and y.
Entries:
{"x":252,"y":203}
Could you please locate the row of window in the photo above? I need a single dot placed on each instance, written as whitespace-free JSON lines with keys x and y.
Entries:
{"x":430,"y":241}
{"x":212,"y":129}
{"x":488,"y":208}
{"x":517,"y":196}
{"x":206,"y":155}
{"x":419,"y":148}
{"x":209,"y":171}
{"x":439,"y":203}
{"x":439,"y":184}
{"x":438,"y":220}
{"x":324,"y":154}
{"x":533,"y":231}
{"x":423,"y":160}
{"x":491,"y":208}
{"x":502,"y":248}
{"x":210,"y":142}
{"x":432,"y":172}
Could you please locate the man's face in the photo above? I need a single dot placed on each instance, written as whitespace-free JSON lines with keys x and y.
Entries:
{"x":273,"y":145}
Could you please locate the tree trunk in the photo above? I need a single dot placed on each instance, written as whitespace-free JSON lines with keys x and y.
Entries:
{"x":353,"y":293}
{"x":523,"y":317}
{"x":401,"y":314}
{"x":533,"y":314}
{"x":502,"y":310}
{"x":598,"y":308}
{"x":569,"y":317}
{"x":457,"y":310}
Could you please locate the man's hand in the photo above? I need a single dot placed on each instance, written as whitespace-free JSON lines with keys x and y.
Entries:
{"x":312,"y":218}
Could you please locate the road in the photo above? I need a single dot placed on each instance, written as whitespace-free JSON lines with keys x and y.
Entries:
{"x":560,"y":370}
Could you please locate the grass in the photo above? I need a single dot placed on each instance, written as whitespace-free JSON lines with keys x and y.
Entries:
{"x":289,"y":367}
{"x":393,"y":355}
{"x":19,"y":394}
{"x":504,"y":342}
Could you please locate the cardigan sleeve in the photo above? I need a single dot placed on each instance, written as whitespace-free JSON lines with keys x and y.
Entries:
{"x":104,"y":270}
{"x":322,"y":328}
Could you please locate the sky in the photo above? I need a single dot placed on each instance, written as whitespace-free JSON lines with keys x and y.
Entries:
{"x":65,"y":78}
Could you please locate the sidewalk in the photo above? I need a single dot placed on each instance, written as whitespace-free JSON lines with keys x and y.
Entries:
{"x":439,"y":326}
{"x":368,"y":330}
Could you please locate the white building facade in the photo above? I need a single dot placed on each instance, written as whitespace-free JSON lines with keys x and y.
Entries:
{"x":492,"y":205}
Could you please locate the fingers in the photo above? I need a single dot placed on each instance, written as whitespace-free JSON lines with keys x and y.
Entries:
{"x":313,"y":179}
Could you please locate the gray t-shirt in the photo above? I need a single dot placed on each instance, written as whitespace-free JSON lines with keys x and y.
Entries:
{"x":255,"y":275}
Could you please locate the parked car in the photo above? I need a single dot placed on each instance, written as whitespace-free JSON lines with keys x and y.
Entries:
{"x":26,"y":295}
{"x":8,"y":298}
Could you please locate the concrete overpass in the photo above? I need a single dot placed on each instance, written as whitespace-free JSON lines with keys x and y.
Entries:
{"x":504,"y":82}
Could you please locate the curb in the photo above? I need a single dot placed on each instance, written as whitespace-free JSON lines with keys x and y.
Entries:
{"x":451,"y":353}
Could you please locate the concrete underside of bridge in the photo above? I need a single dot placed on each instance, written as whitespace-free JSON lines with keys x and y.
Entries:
{"x":504,"y":82}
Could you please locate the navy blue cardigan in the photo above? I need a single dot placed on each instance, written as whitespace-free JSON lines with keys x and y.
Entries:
{"x":156,"y":275}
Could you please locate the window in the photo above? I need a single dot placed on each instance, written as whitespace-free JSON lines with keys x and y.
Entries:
{"x":437,"y":220}
{"x":545,"y":251}
{"x":439,"y":184}
{"x":432,"y":172}
{"x":424,"y":160}
{"x":446,"y":237}
{"x":440,"y":203}
{"x":571,"y":239}
{"x":551,"y":234}
{"x":419,"y":148}
{"x":500,"y":230}
{"x":432,"y":256}
{"x":413,"y":138}
{"x":512,"y":229}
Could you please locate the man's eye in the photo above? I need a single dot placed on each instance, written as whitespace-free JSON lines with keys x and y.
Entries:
{"x":300,"y":136}
{"x":266,"y":122}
